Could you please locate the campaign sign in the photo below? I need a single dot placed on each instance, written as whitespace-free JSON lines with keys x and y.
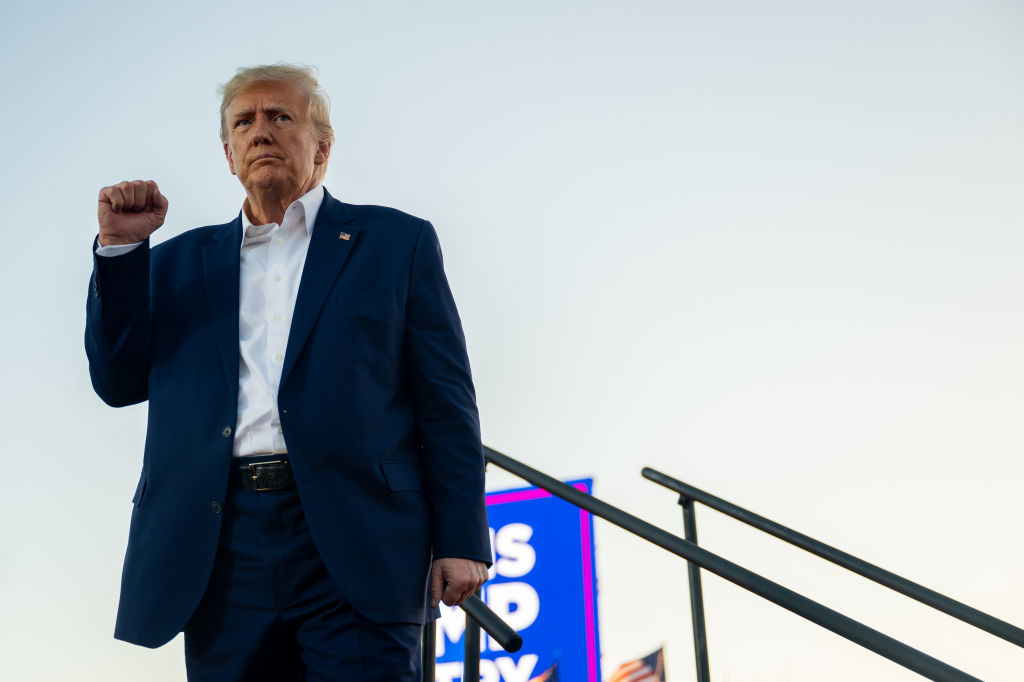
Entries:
{"x":541,"y":583}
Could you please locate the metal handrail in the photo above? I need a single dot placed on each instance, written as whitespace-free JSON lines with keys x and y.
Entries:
{"x":479,"y":615}
{"x":959,"y":610}
{"x":855,"y":631}
{"x":500,"y":631}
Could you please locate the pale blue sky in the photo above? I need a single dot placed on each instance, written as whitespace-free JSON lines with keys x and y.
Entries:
{"x":772,"y":249}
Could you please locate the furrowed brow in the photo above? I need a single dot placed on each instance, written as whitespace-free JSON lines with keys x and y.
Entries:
{"x":273,"y":109}
{"x":270,"y":108}
{"x":239,"y":114}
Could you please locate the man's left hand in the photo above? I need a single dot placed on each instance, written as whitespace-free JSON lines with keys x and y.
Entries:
{"x":453,"y":580}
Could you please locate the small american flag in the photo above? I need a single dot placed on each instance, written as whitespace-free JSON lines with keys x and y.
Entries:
{"x":650,"y":668}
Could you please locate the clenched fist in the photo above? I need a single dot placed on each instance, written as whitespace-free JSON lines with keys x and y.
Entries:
{"x":130,"y":211}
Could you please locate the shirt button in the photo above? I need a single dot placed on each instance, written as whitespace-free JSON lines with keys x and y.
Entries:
{"x":277,"y":278}
{"x":216,"y":507}
{"x":279,"y":357}
{"x":278,"y":241}
{"x":226,"y":432}
{"x":277,"y":318}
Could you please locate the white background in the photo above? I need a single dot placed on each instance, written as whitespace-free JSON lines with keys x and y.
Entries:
{"x":773,"y":249}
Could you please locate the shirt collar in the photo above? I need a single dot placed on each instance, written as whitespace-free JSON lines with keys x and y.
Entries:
{"x":309,"y":203}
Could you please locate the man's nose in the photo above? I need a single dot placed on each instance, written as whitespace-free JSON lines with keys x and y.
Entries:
{"x":261,"y":130}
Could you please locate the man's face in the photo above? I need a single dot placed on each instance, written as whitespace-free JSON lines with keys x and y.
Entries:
{"x":271,"y":145}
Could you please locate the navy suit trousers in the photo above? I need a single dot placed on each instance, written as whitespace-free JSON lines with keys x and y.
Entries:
{"x":272,"y":613}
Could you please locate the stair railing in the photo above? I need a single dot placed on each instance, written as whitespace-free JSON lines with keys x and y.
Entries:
{"x":857,"y":632}
{"x":688,"y":495}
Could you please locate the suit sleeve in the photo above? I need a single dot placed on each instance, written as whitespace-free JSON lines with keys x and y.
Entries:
{"x":447,"y":421}
{"x":117,"y":326}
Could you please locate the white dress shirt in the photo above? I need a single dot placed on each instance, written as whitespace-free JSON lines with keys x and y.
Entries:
{"x":271,"y":266}
{"x":271,"y":262}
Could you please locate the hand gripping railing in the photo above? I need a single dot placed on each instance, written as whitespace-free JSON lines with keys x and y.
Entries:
{"x":689,"y":494}
{"x":869,"y":638}
{"x":479,"y":615}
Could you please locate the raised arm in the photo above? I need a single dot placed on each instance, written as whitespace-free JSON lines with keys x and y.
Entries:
{"x":117,"y":328}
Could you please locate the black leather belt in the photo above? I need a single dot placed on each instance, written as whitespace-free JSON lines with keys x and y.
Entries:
{"x":266,"y":476}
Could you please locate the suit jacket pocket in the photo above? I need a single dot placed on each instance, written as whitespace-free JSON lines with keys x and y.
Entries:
{"x":402,"y":475}
{"x":140,"y":490}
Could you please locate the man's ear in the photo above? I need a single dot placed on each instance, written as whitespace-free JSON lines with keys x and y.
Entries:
{"x":323,"y":150}
{"x":231,"y":160}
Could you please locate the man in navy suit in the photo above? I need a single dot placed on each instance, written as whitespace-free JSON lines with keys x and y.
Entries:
{"x":313,"y":474}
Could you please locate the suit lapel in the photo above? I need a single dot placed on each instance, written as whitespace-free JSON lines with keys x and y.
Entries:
{"x":329,"y":249}
{"x":221,"y":277}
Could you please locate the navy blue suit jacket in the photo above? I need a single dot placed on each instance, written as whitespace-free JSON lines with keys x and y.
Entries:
{"x":376,"y":403}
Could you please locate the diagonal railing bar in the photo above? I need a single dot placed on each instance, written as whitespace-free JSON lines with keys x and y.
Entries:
{"x":500,"y":631}
{"x":471,"y":655}
{"x":959,"y":610}
{"x":479,"y":616}
{"x":857,"y":632}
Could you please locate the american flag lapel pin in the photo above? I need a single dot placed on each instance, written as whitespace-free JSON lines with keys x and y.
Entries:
{"x":345,"y":235}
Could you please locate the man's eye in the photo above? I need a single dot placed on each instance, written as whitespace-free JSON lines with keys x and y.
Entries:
{"x":242,"y":122}
{"x":283,"y":117}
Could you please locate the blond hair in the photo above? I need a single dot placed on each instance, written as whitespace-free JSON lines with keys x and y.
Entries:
{"x":300,"y":75}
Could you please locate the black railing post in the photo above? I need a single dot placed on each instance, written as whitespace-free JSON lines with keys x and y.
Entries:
{"x":428,"y":655}
{"x":471,"y":658}
{"x":700,"y":635}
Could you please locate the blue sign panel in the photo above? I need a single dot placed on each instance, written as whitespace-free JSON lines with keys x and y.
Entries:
{"x":542,"y":584}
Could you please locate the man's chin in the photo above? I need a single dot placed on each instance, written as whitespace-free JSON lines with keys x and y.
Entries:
{"x":268,"y":182}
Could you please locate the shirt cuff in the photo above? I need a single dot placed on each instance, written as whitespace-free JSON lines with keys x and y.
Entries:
{"x":112,"y":250}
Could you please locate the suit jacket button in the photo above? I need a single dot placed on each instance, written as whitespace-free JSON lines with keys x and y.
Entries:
{"x":226,"y":432}
{"x":216,"y":507}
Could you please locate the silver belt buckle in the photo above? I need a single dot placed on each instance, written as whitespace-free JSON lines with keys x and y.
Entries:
{"x":254,"y":471}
